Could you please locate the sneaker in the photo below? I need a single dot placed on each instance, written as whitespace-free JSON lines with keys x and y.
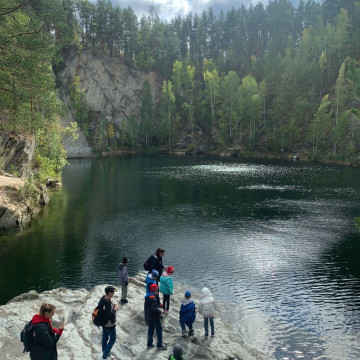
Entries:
{"x":212,"y":335}
{"x":124,"y":301}
{"x":206,"y":335}
{"x":162,"y":347}
{"x":111,"y":357}
{"x":191,"y":332}
{"x":150,"y":346}
{"x":184,"y":333}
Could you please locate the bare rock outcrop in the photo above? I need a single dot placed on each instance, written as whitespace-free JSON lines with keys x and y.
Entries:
{"x":16,"y":153}
{"x":81,"y":339}
{"x":111,"y":88}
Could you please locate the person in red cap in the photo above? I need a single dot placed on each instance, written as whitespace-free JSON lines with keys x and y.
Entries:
{"x":167,"y":287}
{"x":153,"y":317}
{"x":45,"y":336}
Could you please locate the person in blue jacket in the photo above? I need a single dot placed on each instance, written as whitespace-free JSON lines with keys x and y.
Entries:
{"x":167,"y":287}
{"x":187,"y":314}
{"x":151,"y":279}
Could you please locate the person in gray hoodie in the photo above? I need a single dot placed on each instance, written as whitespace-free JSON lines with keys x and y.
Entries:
{"x":207,"y":308}
{"x":123,"y":279}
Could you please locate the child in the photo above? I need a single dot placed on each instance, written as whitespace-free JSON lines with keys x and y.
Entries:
{"x":207,"y":308}
{"x":123,"y":279}
{"x":153,"y":317}
{"x":187,"y":314}
{"x":167,"y":287}
{"x":177,"y":353}
{"x":151,"y":279}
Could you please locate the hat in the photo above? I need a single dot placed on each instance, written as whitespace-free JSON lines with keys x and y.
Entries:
{"x":155,"y":273}
{"x":110,"y":289}
{"x":178,"y":351}
{"x":170,"y":270}
{"x":187,"y":294}
{"x":125,"y":260}
{"x":153,"y":287}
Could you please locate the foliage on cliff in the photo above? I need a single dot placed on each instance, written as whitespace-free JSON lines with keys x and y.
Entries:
{"x":31,"y":34}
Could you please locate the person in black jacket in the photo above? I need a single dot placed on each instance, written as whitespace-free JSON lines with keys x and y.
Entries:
{"x":153,"y":317}
{"x":109,"y":315}
{"x":45,"y":336}
{"x":155,"y":262}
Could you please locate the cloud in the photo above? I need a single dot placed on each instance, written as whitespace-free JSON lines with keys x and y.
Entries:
{"x":168,"y":9}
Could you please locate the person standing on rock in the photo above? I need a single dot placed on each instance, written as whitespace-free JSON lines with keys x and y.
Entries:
{"x":167,"y":287}
{"x":109,"y":328}
{"x":153,"y":317}
{"x":123,"y":279}
{"x":45,"y":336}
{"x":187,"y":314}
{"x":207,"y":308}
{"x":155,"y":262}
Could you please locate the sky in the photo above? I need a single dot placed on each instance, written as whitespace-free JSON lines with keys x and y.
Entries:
{"x":168,"y":9}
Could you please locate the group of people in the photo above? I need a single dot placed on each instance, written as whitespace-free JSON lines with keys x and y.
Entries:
{"x":45,"y":336}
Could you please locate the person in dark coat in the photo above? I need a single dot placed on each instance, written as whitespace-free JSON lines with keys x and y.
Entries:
{"x":109,"y":328}
{"x":155,"y":263}
{"x":123,"y":279}
{"x":153,"y":317}
{"x":45,"y":336}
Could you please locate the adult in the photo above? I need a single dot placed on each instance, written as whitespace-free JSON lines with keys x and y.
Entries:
{"x":123,"y":279}
{"x":109,"y":315}
{"x":153,"y":317}
{"x":45,"y":336}
{"x":155,"y":262}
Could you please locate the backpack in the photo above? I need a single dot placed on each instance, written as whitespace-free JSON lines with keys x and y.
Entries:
{"x":27,"y":336}
{"x":147,"y":263}
{"x":98,"y":316}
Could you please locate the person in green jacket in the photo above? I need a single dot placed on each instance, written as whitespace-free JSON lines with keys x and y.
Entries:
{"x":167,"y":287}
{"x":177,"y":353}
{"x":45,"y":336}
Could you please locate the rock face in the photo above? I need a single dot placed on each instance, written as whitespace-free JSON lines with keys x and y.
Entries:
{"x":16,"y":153}
{"x":111,"y":88}
{"x":81,"y":339}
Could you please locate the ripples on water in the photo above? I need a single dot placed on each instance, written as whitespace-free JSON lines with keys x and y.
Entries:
{"x":273,"y":241}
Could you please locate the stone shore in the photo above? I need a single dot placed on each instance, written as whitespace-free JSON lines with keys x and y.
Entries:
{"x":81,"y":339}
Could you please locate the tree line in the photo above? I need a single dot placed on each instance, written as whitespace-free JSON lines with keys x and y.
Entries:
{"x":262,"y":78}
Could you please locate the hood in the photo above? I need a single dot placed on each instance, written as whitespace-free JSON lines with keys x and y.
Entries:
{"x":186,"y":302}
{"x":121,"y":266}
{"x":165,"y":279}
{"x":40,"y":319}
{"x":205,"y":292}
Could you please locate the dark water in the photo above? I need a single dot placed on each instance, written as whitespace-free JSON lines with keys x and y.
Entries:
{"x":276,"y":239}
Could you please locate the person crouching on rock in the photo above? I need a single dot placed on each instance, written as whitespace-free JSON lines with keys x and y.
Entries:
{"x":151,"y":279}
{"x":153,"y":317}
{"x":45,"y":336}
{"x":109,"y":329}
{"x":123,"y":279}
{"x":167,"y":287}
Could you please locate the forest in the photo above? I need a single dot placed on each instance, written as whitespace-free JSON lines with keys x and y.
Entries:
{"x":272,"y":79}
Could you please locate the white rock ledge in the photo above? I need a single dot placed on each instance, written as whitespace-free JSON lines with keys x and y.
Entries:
{"x":81,"y":339}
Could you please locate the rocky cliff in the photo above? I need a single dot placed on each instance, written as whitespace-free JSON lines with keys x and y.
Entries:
{"x":111,"y":89}
{"x":81,"y":339}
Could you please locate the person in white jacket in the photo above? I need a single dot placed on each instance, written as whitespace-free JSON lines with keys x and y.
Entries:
{"x":207,"y":308}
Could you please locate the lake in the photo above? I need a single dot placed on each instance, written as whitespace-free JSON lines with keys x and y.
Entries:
{"x":275,"y":240}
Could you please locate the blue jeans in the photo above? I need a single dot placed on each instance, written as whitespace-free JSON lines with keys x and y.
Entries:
{"x":206,"y":325}
{"x":155,"y":325}
{"x":108,"y":340}
{"x":182,"y":324}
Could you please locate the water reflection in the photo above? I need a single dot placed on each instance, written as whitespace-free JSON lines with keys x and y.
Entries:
{"x":278,"y":240}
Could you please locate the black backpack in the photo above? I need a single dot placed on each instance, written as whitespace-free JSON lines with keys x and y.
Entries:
{"x":27,"y":336}
{"x":147,"y":263}
{"x":98,"y":316}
